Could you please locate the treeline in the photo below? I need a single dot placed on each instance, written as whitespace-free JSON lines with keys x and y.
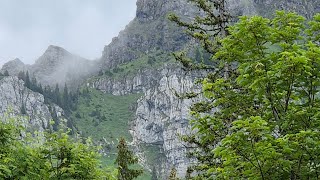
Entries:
{"x":65,"y":99}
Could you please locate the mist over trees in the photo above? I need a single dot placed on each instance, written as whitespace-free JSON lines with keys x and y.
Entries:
{"x":65,"y":99}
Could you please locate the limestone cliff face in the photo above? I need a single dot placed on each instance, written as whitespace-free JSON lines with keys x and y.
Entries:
{"x":150,"y":30}
{"x":17,"y":100}
{"x":160,"y":115}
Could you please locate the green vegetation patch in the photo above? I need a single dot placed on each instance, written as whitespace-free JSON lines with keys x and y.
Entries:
{"x":152,"y":60}
{"x":104,"y":117}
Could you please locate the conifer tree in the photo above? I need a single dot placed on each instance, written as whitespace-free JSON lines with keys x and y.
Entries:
{"x":22,"y":75}
{"x":57,"y":96}
{"x":124,"y":160}
{"x":27,"y":80}
{"x":66,"y":98}
{"x":154,"y":174}
{"x":6,"y":73}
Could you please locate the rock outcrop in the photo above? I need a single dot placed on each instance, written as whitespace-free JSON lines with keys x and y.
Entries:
{"x":17,"y":100}
{"x":150,"y":30}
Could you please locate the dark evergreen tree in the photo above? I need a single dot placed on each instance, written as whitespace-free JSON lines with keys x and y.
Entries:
{"x":6,"y":73}
{"x":22,"y":75}
{"x":34,"y":84}
{"x":57,"y":96}
{"x":65,"y":98}
{"x":154,"y":174}
{"x":40,"y":88}
{"x":124,"y":159}
{"x":23,"y":109}
{"x":198,"y":56}
{"x":27,"y":80}
{"x":100,"y":73}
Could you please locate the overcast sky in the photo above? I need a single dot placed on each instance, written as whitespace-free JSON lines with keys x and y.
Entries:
{"x":83,"y":27}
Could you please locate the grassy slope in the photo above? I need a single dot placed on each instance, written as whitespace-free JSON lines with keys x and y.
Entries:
{"x":104,"y":116}
{"x":100,"y":115}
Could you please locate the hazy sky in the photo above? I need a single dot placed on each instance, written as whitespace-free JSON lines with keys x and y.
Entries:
{"x":83,"y":27}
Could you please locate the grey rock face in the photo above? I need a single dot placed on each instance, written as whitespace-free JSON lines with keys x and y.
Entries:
{"x":160,"y":115}
{"x":150,"y":30}
{"x":17,"y":100}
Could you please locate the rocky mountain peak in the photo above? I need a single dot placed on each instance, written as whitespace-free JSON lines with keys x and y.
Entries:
{"x":13,"y":66}
{"x":149,"y":31}
{"x":54,"y":55}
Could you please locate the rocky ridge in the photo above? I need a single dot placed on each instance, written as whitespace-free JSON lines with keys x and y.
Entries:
{"x":160,"y":115}
{"x":150,"y":30}
{"x":55,"y":66}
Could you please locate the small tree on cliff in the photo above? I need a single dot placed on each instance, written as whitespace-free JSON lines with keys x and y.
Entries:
{"x":6,"y":73}
{"x":124,"y":160}
{"x":173,"y":174}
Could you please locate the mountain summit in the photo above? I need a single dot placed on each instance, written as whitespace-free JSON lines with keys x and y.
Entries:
{"x":55,"y":66}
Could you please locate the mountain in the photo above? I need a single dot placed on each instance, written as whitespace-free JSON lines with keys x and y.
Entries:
{"x":14,"y":66}
{"x":139,"y":61}
{"x":55,"y":66}
{"x":135,"y":94}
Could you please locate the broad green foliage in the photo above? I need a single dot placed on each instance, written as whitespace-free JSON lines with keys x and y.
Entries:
{"x":71,"y":159}
{"x":124,"y":159}
{"x":52,"y":156}
{"x":266,"y":120}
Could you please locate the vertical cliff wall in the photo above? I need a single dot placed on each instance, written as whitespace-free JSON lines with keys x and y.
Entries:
{"x":17,"y":100}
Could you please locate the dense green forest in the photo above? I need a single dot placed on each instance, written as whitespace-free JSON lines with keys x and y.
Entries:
{"x":259,"y":118}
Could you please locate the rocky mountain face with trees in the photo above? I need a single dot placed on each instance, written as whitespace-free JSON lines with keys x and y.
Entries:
{"x":138,"y":61}
{"x":17,"y":99}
